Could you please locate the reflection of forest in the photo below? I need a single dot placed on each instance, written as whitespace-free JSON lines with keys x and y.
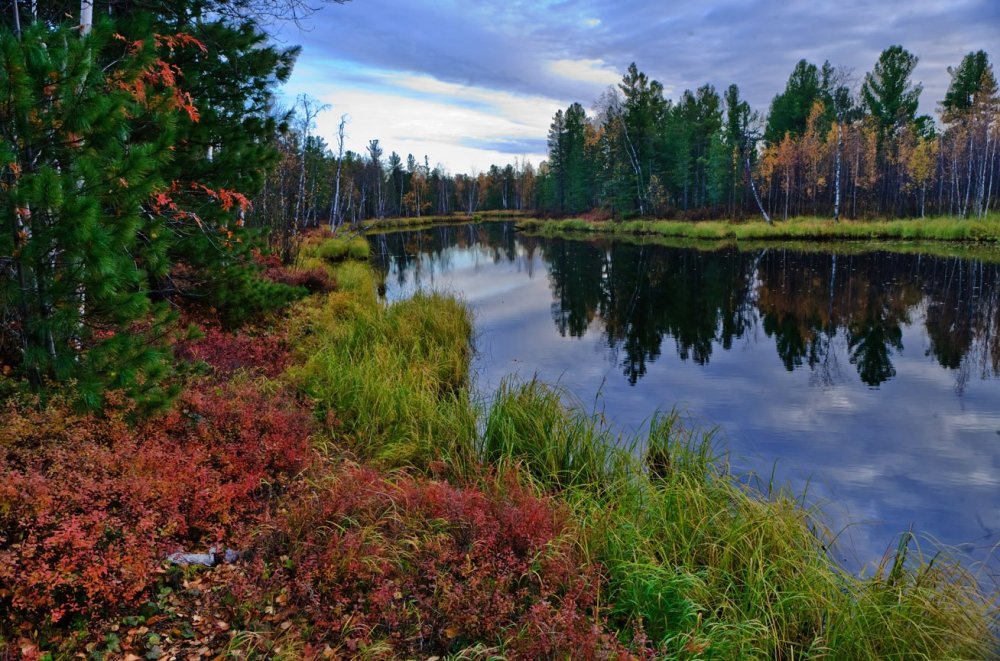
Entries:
{"x":806,"y":302}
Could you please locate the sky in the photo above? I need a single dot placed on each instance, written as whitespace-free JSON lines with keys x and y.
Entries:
{"x":469,"y":84}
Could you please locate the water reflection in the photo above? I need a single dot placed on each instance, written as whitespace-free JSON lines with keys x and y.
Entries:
{"x":869,"y":376}
{"x":642,"y":296}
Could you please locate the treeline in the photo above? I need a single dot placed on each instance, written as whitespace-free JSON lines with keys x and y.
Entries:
{"x":318,"y":184}
{"x":824,"y":148}
{"x":132,"y":136}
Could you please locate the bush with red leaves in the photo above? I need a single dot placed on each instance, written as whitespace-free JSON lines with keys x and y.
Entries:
{"x":229,"y":351}
{"x":431,"y":569}
{"x":90,"y":506}
{"x":316,"y":280}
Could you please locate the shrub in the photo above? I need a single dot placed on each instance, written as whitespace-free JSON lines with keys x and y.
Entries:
{"x":227,"y":352}
{"x":316,"y":280}
{"x":89,"y":506}
{"x":424,"y":568}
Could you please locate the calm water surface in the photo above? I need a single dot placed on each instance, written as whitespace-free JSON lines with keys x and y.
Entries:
{"x":868,"y":380}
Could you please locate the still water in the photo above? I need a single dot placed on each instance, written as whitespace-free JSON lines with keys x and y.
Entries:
{"x":870,"y":381}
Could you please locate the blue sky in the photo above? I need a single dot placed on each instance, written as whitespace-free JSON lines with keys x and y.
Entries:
{"x":474,"y":83}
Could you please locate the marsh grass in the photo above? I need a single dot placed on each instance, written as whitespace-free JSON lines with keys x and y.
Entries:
{"x":335,"y":249}
{"x":696,"y":563}
{"x":706,"y":566}
{"x":812,"y":228}
{"x":395,"y":375}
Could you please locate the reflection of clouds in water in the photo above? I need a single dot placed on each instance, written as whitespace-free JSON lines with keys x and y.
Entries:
{"x":912,"y":451}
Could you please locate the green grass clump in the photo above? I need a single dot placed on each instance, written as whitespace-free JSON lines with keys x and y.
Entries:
{"x":710,"y":569}
{"x":336,"y":249}
{"x":530,"y":426}
{"x":394,"y":376}
{"x":926,"y":229}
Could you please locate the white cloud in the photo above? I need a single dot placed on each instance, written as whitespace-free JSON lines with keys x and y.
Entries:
{"x":589,"y":71}
{"x":421,"y":115}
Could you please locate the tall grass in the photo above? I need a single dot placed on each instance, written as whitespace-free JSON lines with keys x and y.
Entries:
{"x":929,"y":229}
{"x":708,"y":568}
{"x":395,"y":376}
{"x":336,"y":249}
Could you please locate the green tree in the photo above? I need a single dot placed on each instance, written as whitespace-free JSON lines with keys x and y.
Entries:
{"x":790,"y":109}
{"x":888,"y":94}
{"x":86,"y":134}
{"x":966,"y":81}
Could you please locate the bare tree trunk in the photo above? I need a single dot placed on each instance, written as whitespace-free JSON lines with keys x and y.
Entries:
{"x":17,"y":19}
{"x":633,"y":158}
{"x":981,"y":192}
{"x":968,"y":182}
{"x":836,"y":177}
{"x":335,"y":215}
{"x":753,"y":187}
{"x":989,"y":190}
{"x":86,"y":16}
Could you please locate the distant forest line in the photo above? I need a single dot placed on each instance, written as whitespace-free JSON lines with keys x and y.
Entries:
{"x":829,"y":145}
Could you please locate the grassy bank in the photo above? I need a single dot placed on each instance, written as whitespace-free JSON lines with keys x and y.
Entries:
{"x":806,"y":228}
{"x":427,"y":221}
{"x":379,"y":514}
{"x":980,"y":250}
{"x":708,"y":568}
{"x":693,"y":564}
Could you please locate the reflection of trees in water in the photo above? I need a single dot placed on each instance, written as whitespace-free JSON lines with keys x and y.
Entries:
{"x":420,"y":254}
{"x":806,"y":298}
{"x":811,"y":304}
{"x":806,"y":302}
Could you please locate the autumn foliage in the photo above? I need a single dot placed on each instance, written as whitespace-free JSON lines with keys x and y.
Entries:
{"x":90,"y":506}
{"x":426,"y":568}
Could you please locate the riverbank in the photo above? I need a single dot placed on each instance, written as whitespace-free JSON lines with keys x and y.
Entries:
{"x":690,"y":561}
{"x":382,"y":509}
{"x":420,"y":222}
{"x":794,"y":229}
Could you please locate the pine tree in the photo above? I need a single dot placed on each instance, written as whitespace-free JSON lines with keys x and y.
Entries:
{"x":82,"y":150}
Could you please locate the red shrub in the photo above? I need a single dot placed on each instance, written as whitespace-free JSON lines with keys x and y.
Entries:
{"x":226,"y":352}
{"x":316,"y":280}
{"x":266,"y":261}
{"x":431,"y":568}
{"x":89,"y":506}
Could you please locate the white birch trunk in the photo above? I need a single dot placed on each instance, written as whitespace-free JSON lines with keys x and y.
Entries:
{"x":86,"y":16}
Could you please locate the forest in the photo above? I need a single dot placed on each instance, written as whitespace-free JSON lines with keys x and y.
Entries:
{"x":828,"y":146}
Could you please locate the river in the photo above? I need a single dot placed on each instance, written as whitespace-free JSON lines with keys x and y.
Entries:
{"x":865,"y":381}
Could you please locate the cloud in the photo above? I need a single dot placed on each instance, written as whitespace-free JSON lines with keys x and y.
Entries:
{"x":460,"y":126}
{"x":570,"y":50}
{"x":592,"y":71}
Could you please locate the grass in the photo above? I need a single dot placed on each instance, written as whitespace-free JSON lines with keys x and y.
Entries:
{"x":923,"y":229}
{"x":695,"y":564}
{"x":335,"y":249}
{"x":395,"y":376}
{"x":427,"y":221}
{"x":708,"y":568}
